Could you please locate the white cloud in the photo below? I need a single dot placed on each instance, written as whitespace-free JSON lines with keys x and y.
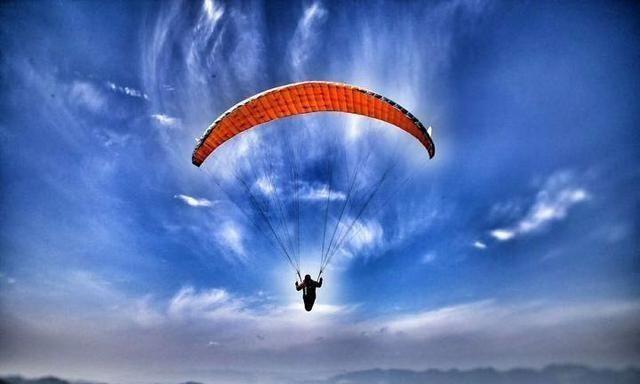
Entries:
{"x":433,"y":323}
{"x":194,"y":201}
{"x":127,"y":91}
{"x":367,"y":233}
{"x":205,"y":304}
{"x":164,"y":120}
{"x":499,"y":322}
{"x":552,"y":203}
{"x":265,"y":186}
{"x":355,"y":237}
{"x":502,"y":234}
{"x":320,"y":193}
{"x":479,"y":244}
{"x":213,"y":11}
{"x":258,"y":314}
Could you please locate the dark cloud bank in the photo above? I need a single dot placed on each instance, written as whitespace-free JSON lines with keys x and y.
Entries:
{"x":552,"y":374}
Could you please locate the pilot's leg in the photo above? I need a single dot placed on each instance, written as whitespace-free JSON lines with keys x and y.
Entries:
{"x":308,"y":302}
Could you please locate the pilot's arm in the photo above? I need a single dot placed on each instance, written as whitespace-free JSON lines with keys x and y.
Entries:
{"x":319,"y":283}
{"x":299,"y":286}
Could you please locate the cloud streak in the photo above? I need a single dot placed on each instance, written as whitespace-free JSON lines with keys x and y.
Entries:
{"x":479,"y":245}
{"x":194,"y":201}
{"x":164,"y":120}
{"x":128,"y":91}
{"x":552,"y":203}
{"x":321,"y":193}
{"x":305,"y":39}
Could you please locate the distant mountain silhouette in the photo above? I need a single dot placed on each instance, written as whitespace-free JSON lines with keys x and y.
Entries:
{"x":553,"y":374}
{"x":42,"y":380}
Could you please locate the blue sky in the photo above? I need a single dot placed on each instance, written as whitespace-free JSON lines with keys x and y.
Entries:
{"x":516,"y":245}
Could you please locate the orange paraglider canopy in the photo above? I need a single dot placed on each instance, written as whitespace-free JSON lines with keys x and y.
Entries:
{"x":307,"y":97}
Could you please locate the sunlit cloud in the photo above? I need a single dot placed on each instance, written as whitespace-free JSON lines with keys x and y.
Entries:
{"x":320,"y":193}
{"x":194,"y":201}
{"x":127,"y":91}
{"x":552,"y":203}
{"x":213,"y":10}
{"x":265,"y":186}
{"x":502,"y":234}
{"x":479,"y":244}
{"x":204,"y":304}
{"x":357,"y":236}
{"x":164,"y":120}
{"x":366,"y":233}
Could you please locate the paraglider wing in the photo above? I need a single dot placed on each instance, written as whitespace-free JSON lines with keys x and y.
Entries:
{"x":307,"y":97}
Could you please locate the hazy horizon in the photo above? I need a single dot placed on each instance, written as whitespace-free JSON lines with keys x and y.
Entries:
{"x":556,"y":373}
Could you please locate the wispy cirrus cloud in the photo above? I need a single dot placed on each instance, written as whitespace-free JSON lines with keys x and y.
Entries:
{"x":219,"y":46}
{"x":302,"y":44}
{"x":211,"y":303}
{"x":558,"y":195}
{"x":213,"y":11}
{"x":115,"y":139}
{"x":231,"y":236}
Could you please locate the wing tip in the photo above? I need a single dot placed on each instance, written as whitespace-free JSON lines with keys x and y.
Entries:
{"x":196,"y":161}
{"x":431,"y":147}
